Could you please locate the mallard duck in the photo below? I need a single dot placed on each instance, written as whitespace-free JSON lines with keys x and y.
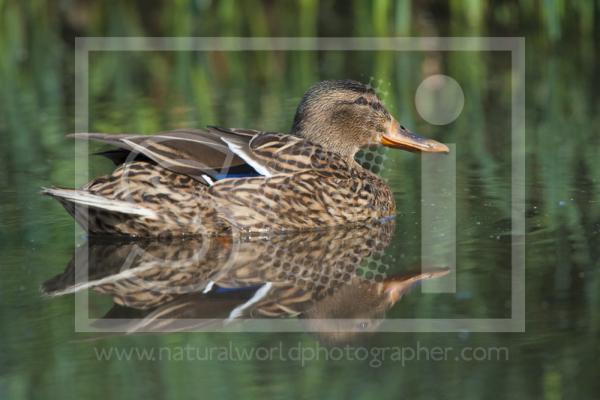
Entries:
{"x":208,"y":181}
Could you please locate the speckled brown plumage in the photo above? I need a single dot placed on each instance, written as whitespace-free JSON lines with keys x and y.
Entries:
{"x":309,"y":199}
{"x":184,"y":204}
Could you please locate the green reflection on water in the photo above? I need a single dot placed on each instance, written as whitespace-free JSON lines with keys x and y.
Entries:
{"x":148,"y":92}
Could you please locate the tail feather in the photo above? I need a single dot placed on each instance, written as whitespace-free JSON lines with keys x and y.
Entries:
{"x":71,"y":197}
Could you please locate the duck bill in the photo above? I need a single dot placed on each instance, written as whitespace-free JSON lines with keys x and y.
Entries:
{"x":401,"y":138}
{"x":396,"y":286}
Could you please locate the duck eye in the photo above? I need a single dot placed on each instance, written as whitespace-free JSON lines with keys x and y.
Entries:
{"x":362,"y":101}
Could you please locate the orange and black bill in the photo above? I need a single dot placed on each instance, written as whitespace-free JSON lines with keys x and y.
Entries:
{"x":399,"y":137}
{"x":396,"y":286}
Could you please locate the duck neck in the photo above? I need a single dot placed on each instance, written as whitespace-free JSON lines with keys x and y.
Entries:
{"x":330,"y":139}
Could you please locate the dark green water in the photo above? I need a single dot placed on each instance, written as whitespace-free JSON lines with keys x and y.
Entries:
{"x":41,"y":355}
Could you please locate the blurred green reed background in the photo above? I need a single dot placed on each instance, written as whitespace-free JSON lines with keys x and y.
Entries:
{"x":153,"y":91}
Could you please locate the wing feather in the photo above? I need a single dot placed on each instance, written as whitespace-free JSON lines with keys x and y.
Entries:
{"x":193,"y":152}
{"x":215,"y":151}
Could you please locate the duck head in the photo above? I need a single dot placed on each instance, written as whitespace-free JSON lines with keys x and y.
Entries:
{"x":361,"y":306}
{"x":345,"y":116}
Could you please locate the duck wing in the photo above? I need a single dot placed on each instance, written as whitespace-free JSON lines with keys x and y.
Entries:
{"x":193,"y":152}
{"x":219,"y":152}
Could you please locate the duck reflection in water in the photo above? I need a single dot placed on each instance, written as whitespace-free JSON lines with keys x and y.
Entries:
{"x":335,"y":280}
